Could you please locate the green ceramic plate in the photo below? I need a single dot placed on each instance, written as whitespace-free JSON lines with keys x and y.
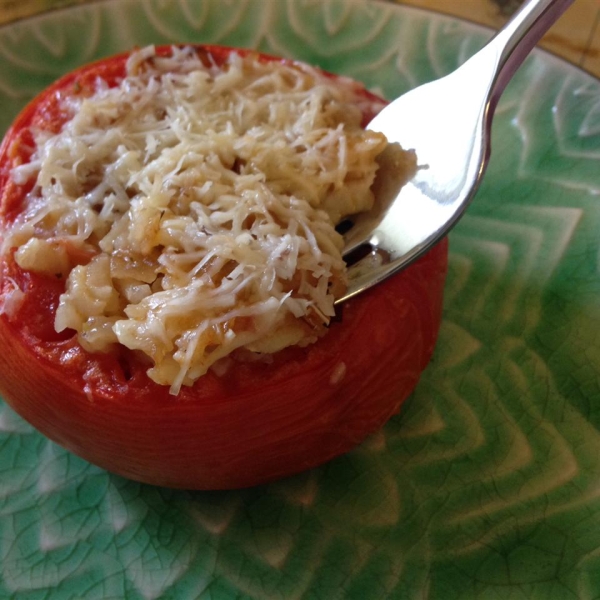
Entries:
{"x":487,"y":485}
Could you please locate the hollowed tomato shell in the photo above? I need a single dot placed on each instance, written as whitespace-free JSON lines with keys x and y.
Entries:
{"x":256,"y":423}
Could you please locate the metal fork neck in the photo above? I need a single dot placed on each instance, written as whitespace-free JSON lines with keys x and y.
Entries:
{"x":516,"y":39}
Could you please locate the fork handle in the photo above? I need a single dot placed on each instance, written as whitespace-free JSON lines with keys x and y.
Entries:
{"x":518,"y":37}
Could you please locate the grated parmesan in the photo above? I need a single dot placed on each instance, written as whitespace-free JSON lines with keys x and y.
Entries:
{"x":204,"y":200}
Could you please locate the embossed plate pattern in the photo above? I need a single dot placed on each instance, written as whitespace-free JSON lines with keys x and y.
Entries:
{"x":487,"y":485}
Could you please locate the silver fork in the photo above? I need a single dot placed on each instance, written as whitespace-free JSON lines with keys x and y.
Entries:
{"x":447,"y":122}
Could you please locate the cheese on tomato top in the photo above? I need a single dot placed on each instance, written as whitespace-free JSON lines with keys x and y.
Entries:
{"x":192,"y":207}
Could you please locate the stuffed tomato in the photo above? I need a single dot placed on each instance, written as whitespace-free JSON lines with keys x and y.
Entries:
{"x":170,"y":264}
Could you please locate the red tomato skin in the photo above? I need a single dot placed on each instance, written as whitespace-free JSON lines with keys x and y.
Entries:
{"x":258,"y":422}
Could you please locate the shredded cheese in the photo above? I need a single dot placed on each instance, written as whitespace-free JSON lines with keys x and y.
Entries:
{"x":192,"y":208}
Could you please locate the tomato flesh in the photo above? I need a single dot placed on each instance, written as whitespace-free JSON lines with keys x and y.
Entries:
{"x":260,"y":421}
